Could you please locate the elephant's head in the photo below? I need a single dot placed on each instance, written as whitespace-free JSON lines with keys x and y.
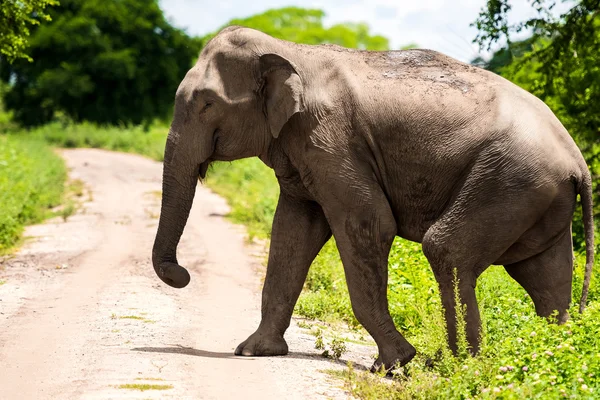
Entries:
{"x":230,"y":105}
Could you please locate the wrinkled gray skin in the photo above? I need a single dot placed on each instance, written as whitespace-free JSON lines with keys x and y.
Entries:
{"x":372,"y":145}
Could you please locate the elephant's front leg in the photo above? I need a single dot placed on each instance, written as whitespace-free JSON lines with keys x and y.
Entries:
{"x":299,"y":232}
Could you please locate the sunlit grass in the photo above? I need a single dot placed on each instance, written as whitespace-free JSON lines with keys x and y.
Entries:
{"x":150,"y":143}
{"x":144,"y":386}
{"x":32,"y":177}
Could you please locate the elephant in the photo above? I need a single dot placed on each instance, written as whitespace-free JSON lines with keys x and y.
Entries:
{"x":370,"y":145}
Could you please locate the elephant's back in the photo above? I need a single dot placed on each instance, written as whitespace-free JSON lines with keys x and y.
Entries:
{"x":433,"y":118}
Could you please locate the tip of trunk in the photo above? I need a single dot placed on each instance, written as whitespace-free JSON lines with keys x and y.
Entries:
{"x":172,"y":274}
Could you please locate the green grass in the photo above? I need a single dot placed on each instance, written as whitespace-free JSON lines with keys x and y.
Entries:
{"x":150,"y":143}
{"x":134,"y":317}
{"x":32,"y":178}
{"x":252,"y":191}
{"x":144,"y":386}
{"x":522,"y":356}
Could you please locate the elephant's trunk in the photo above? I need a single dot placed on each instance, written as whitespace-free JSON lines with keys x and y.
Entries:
{"x":180,"y":176}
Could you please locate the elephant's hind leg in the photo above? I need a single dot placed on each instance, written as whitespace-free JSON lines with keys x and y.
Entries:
{"x":548,"y":277}
{"x":444,"y":264}
{"x":486,"y":218}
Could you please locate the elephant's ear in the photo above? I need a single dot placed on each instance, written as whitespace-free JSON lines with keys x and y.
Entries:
{"x":282,"y":91}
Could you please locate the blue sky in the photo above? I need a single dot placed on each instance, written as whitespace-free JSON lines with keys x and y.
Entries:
{"x":441,"y":25}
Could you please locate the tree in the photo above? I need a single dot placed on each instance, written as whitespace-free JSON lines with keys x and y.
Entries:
{"x":16,"y":18}
{"x":306,"y":26}
{"x":560,"y":64}
{"x":565,"y":56}
{"x":505,"y":56}
{"x":106,"y":61}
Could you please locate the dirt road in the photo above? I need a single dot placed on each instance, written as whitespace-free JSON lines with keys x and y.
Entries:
{"x":83,"y":316}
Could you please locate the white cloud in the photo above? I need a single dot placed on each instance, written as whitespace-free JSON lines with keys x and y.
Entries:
{"x":441,"y":25}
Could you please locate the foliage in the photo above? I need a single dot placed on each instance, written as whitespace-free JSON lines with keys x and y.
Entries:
{"x":506,"y":55}
{"x":326,"y":297}
{"x":333,"y":348}
{"x":16,"y":18}
{"x":106,"y":61}
{"x":149,"y":141}
{"x":522,"y":356}
{"x":560,"y":64}
{"x":31,"y":182}
{"x":306,"y":26}
{"x":256,"y":207}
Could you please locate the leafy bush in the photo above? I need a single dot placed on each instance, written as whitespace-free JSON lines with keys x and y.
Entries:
{"x":31,"y":181}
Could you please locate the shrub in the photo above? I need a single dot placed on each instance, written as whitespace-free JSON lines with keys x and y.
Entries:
{"x":31,"y":182}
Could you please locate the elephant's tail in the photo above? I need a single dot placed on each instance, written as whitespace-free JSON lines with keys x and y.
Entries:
{"x":585,"y":191}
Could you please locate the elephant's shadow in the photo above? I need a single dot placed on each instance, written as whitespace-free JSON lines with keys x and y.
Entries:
{"x":190,"y":351}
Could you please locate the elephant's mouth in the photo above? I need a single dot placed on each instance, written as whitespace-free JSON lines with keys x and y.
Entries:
{"x":203,"y":168}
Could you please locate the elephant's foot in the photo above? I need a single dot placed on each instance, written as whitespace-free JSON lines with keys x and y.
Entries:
{"x":393,"y":358}
{"x":262,"y":344}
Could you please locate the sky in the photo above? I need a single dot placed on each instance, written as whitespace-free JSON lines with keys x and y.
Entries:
{"x":441,"y":25}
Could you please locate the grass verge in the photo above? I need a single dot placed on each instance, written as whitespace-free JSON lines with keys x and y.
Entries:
{"x":32,"y":179}
{"x":150,"y":142}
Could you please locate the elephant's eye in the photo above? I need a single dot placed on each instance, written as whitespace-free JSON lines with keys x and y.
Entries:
{"x":206,"y":107}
